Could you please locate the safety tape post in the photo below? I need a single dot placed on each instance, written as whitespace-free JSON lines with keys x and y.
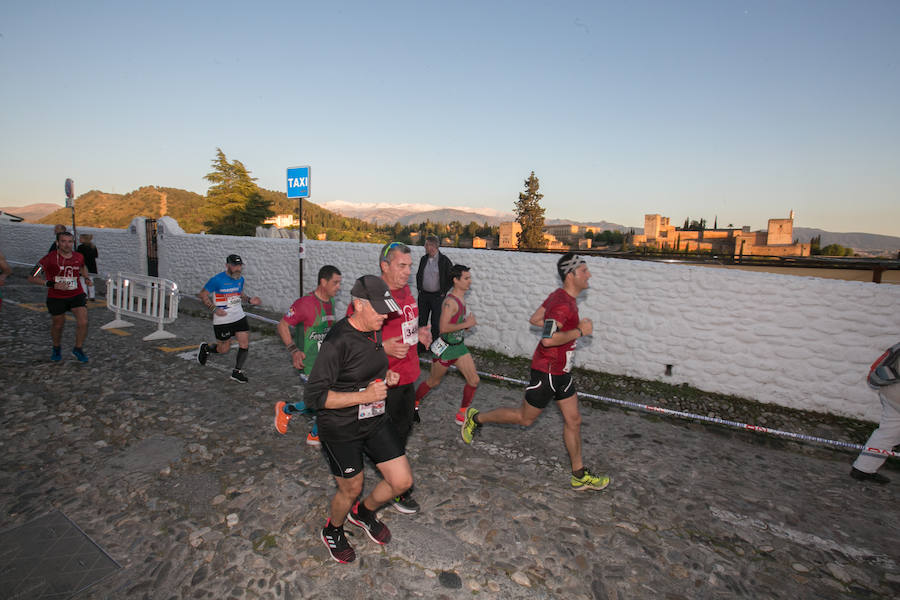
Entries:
{"x":715,"y":420}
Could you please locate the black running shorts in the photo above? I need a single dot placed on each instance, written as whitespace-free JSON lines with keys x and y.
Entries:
{"x":226,"y":330}
{"x":544,"y":387}
{"x":59,"y":306}
{"x":346,"y":458}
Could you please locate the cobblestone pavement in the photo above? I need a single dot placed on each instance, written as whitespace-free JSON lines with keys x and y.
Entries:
{"x":177,"y":472}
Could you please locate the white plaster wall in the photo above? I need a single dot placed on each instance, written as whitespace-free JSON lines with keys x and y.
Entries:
{"x":120,"y":250}
{"x":801,"y":342}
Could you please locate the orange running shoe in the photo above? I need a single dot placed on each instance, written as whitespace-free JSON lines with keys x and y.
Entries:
{"x":312,"y":440}
{"x":281,"y":418}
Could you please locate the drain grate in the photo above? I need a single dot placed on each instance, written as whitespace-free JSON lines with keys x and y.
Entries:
{"x":50,"y":558}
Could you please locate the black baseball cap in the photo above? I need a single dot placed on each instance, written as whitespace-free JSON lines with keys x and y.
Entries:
{"x":234,"y":259}
{"x":375,"y":290}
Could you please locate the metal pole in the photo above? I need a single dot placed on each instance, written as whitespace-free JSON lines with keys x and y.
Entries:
{"x":301,"y":249}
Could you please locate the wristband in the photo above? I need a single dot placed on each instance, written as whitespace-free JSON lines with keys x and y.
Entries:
{"x":50,"y":284}
{"x":580,"y":332}
{"x":293,"y":348}
{"x":214,"y":308}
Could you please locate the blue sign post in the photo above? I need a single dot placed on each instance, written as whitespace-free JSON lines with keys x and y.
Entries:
{"x":298,"y":187}
{"x":298,"y":182}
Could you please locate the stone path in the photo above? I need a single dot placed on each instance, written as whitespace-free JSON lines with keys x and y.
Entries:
{"x":178,"y":473}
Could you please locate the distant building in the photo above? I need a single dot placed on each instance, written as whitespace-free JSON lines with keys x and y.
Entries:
{"x":281,"y":221}
{"x":776,"y":240}
{"x":509,"y":234}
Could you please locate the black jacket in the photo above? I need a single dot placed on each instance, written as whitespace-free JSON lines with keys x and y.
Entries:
{"x":444,"y":265}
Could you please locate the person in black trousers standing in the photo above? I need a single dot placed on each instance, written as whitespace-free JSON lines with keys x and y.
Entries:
{"x":432,"y":283}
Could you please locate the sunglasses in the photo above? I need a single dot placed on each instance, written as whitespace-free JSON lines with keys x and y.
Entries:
{"x":390,"y":247}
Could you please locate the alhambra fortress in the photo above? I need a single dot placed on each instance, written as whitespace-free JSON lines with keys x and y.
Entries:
{"x":776,"y":240}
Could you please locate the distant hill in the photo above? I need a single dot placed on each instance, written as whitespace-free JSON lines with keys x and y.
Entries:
{"x":868,"y":243}
{"x":602,"y":225}
{"x":32,"y":212}
{"x":387,"y":214}
{"x":100,"y":209}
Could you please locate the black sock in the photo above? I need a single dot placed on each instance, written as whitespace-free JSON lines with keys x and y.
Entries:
{"x":211,"y":348}
{"x":579,"y":473}
{"x":241,"y":358}
{"x":362,"y":511}
{"x":77,"y":349}
{"x":57,"y":348}
{"x":476,"y":420}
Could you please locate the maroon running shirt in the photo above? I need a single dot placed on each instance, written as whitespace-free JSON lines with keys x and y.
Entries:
{"x":556,"y":360}
{"x":66,"y":271}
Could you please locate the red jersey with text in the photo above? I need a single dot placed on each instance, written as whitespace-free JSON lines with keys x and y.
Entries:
{"x":404,"y":325}
{"x":317,"y":317}
{"x":65,"y":271}
{"x":556,"y":360}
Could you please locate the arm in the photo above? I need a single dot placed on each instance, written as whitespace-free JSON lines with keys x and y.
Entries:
{"x":537,"y":319}
{"x":208,"y":303}
{"x":297,"y":355}
{"x":375,"y":391}
{"x":254,"y":300}
{"x":560,"y":338}
{"x":87,"y":276}
{"x":5,"y":271}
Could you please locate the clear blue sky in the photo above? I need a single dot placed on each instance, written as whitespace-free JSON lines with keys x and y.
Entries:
{"x":741,"y":110}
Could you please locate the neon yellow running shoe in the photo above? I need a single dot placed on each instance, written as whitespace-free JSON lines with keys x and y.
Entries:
{"x":589,"y":481}
{"x":469,"y":425}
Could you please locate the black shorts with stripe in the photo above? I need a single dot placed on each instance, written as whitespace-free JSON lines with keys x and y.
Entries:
{"x":227,"y":330}
{"x":545,"y":387}
{"x":346,"y":458}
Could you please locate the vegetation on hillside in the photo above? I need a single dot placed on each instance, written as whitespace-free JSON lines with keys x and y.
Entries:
{"x":234,"y":204}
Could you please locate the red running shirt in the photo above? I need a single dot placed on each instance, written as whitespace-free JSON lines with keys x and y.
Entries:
{"x":404,"y":325}
{"x":63,"y":270}
{"x":556,"y":360}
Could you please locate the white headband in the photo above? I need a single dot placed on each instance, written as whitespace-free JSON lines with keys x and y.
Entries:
{"x":570,"y":265}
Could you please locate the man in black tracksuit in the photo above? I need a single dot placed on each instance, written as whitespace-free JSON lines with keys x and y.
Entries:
{"x":433,"y":283}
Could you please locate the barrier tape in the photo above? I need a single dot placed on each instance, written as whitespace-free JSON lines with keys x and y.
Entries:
{"x":249,"y":314}
{"x":716,"y":420}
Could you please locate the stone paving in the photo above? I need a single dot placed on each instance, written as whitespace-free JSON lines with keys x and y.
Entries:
{"x":177,"y":472}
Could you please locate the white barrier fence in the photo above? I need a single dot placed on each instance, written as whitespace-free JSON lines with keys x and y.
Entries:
{"x":142,"y":297}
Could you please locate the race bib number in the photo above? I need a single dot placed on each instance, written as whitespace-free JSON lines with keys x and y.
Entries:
{"x":438,"y":346}
{"x":234,"y":301}
{"x":67,"y":283}
{"x":367,"y":411}
{"x":570,"y":361}
{"x":410,"y":332}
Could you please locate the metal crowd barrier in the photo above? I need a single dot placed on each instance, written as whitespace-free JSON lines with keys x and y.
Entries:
{"x":142,"y":297}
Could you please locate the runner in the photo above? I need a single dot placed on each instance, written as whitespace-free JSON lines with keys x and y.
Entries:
{"x":347,"y":388}
{"x":229,"y":320}
{"x":315,"y":313}
{"x":401,"y":335}
{"x":449,"y":348}
{"x":62,"y":269}
{"x":5,"y":272}
{"x":550,"y":366}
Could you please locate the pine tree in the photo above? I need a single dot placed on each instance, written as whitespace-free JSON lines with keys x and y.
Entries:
{"x":234,"y":204}
{"x":530,"y":215}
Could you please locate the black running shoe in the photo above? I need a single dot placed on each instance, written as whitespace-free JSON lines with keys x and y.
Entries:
{"x":239,"y":376}
{"x":406,"y":504}
{"x":335,"y":540}
{"x":375,"y":529}
{"x":203,"y":353}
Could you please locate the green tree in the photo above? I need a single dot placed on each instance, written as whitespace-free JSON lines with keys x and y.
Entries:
{"x":234,"y":204}
{"x":815,"y":245}
{"x":530,"y":214}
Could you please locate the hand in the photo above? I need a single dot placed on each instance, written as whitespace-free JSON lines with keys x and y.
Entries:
{"x":586,"y":326}
{"x":255,"y":301}
{"x":392,"y":378}
{"x":395,"y":348}
{"x":425,"y":336}
{"x":220,"y":312}
{"x":377,"y":390}
{"x":297,"y":359}
{"x":470,"y":321}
